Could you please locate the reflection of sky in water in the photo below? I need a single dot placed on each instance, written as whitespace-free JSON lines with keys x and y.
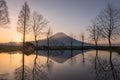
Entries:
{"x":71,"y":68}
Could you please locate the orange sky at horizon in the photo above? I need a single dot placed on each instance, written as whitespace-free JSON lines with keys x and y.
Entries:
{"x":10,"y":34}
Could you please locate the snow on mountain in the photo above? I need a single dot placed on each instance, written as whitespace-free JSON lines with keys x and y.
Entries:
{"x":62,"y":39}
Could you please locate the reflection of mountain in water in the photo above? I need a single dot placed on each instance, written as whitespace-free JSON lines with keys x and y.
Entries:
{"x":60,"y":56}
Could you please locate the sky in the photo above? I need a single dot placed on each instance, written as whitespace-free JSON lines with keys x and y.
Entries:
{"x":68,"y":16}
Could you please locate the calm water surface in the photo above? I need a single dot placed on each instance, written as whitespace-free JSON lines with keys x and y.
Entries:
{"x":61,"y":65}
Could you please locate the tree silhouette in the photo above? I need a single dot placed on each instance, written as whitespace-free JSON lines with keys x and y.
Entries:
{"x":82,"y":39}
{"x":71,"y":40}
{"x":109,"y":20}
{"x":48,"y":34}
{"x":95,"y":32}
{"x":23,"y":21}
{"x":4,"y":16}
{"x":38,"y":24}
{"x":23,"y":28}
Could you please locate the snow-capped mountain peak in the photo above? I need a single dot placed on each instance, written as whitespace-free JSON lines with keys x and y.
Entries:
{"x":62,"y":38}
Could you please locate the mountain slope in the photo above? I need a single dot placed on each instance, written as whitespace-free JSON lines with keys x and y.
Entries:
{"x":60,"y":39}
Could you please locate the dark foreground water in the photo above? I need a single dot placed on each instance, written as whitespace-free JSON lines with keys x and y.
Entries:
{"x":61,"y":65}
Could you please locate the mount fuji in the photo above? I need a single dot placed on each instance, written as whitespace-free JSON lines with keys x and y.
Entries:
{"x":62,"y":39}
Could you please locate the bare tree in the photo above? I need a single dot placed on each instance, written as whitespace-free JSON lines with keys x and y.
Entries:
{"x":38,"y":24}
{"x":4,"y":16}
{"x":23,"y":21}
{"x":23,"y":28}
{"x":72,"y":40}
{"x":95,"y":33}
{"x":82,"y":39}
{"x":49,"y":33}
{"x":82,"y":36}
{"x":109,"y":20}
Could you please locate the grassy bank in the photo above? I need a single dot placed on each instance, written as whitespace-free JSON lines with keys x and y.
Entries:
{"x":27,"y":49}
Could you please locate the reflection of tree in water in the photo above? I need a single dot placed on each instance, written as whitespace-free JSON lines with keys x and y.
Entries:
{"x":106,"y":69}
{"x":39,"y":70}
{"x":72,"y":59}
{"x":83,"y":56}
{"x":50,"y":65}
{"x":11,"y":53}
{"x":49,"y":61}
{"x":19,"y":71}
{"x":48,"y":56}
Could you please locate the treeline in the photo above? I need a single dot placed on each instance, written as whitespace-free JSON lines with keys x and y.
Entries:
{"x":106,"y":25}
{"x":30,"y":23}
{"x":27,"y":22}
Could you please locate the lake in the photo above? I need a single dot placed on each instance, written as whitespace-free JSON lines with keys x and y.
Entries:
{"x":61,"y":65}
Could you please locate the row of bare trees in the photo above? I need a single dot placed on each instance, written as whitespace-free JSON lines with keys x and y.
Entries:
{"x":106,"y":25}
{"x":30,"y":23}
{"x":27,"y":23}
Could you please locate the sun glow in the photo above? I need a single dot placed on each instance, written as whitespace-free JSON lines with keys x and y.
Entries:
{"x":17,"y":39}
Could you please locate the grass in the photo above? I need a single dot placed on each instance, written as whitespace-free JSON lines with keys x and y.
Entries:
{"x":10,"y":49}
{"x":27,"y":49}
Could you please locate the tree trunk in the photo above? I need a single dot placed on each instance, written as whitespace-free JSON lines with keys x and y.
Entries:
{"x":36,"y":42}
{"x":48,"y":56}
{"x":82,"y":45}
{"x":110,"y":46}
{"x":96,"y":57}
{"x":83,"y":55}
{"x":24,"y":43}
{"x":83,"y":51}
{"x":71,"y":54}
{"x":35,"y":62}
{"x":112,"y":67}
{"x":23,"y":54}
{"x":109,"y":40}
{"x":23,"y":66}
{"x":71,"y":45}
{"x":48,"y":49}
{"x":48,"y":43}
{"x":96,"y":45}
